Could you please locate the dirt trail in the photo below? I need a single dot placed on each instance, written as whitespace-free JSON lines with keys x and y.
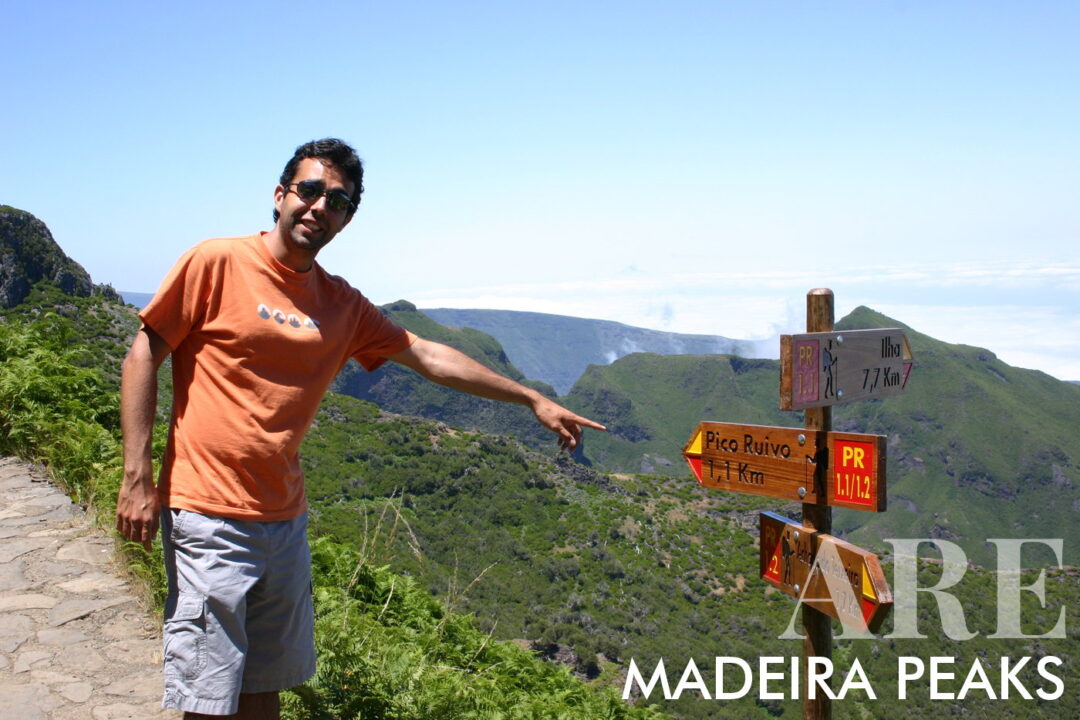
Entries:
{"x":74,"y":641}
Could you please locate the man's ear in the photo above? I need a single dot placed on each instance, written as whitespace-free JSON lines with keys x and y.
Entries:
{"x":279,"y":197}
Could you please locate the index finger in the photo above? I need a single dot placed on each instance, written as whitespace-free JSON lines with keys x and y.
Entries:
{"x":589,"y":423}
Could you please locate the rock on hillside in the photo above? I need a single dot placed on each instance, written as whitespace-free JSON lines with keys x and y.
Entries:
{"x":28,"y":255}
{"x":38,"y":281}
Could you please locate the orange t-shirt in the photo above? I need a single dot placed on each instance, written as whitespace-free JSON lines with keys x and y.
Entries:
{"x":255,"y":346}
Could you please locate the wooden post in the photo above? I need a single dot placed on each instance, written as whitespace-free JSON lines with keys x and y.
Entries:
{"x":817,"y":627}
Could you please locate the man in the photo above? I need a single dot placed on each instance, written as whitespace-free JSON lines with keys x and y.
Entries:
{"x":257,"y":330}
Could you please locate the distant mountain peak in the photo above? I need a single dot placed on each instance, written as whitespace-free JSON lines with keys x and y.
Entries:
{"x":864,"y":318}
{"x":400,"y":306}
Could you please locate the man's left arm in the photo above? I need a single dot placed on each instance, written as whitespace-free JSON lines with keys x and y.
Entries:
{"x":447,"y":366}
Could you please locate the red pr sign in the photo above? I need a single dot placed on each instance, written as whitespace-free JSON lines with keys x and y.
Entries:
{"x":853,"y":472}
{"x":857,"y":471}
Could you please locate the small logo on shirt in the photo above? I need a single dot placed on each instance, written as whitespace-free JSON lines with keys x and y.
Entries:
{"x":281,"y":318}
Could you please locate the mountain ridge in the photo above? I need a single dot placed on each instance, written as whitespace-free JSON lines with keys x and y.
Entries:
{"x":526,"y":337}
{"x":29,"y":255}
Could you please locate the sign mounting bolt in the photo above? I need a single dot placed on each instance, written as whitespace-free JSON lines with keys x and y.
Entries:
{"x":802,"y":439}
{"x":802,"y":493}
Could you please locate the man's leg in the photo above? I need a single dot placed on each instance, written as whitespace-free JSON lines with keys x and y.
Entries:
{"x":211,"y":566}
{"x":280,"y":618}
{"x":253,"y":706}
{"x":259,"y":706}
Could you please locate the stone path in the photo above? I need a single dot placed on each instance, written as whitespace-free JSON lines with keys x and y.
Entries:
{"x":74,"y":641}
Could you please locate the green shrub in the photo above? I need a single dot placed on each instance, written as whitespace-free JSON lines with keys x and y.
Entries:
{"x":389,"y":651}
{"x":55,"y":411}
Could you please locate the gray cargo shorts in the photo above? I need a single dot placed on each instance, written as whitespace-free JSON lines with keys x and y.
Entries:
{"x":238,"y":618}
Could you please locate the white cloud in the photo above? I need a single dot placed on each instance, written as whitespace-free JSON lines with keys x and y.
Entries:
{"x":1028,"y":314}
{"x":1044,"y":338}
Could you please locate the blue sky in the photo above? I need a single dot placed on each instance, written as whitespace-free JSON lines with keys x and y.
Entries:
{"x":695,"y":167}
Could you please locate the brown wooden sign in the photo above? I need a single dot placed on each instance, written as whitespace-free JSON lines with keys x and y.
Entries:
{"x":856,"y":471}
{"x":756,"y":459}
{"x":781,"y":463}
{"x":839,"y":579}
{"x":829,"y":368}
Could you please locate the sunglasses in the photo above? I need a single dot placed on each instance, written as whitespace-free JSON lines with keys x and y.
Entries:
{"x":311,"y":190}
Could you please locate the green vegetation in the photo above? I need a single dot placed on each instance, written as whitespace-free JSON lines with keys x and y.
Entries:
{"x":388,"y":650}
{"x":57,"y":411}
{"x":977,"y":449}
{"x":651,"y":403}
{"x":102,"y":329}
{"x":589,"y":568}
{"x":59,"y":407}
{"x":599,"y":569}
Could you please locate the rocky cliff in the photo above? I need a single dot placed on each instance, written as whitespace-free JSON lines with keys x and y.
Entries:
{"x":28,"y":255}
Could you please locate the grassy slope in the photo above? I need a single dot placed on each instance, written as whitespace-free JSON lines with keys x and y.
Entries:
{"x":101,"y":326}
{"x":597,"y":569}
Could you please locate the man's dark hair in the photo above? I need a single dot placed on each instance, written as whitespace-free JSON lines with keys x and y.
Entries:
{"x":335,"y":152}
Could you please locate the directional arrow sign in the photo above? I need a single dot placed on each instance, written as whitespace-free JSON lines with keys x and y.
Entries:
{"x":820,"y":369}
{"x":756,"y":459}
{"x":781,"y":463}
{"x":839,"y":579}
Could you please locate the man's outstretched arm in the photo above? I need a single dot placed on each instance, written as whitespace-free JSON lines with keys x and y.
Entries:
{"x":137,"y":505}
{"x":447,"y":366}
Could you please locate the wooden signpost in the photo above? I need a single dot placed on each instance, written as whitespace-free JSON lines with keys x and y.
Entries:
{"x":820,"y":468}
{"x":783,"y":463}
{"x":756,"y":459}
{"x":828,"y":368}
{"x":837,"y":578}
